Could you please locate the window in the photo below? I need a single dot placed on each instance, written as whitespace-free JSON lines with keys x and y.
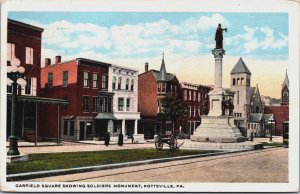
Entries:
{"x":65,"y":79}
{"x":190,"y":111}
{"x":95,"y":80}
{"x":199,"y":112}
{"x":163,"y":89}
{"x":132,"y":85}
{"x":105,"y":104}
{"x":9,"y":89}
{"x":242,"y":81}
{"x":109,"y":104}
{"x":29,"y":55}
{"x":175,"y":88}
{"x":114,"y":83}
{"x":127,"y":84}
{"x":50,"y":79}
{"x":119,"y":83}
{"x":65,"y":127}
{"x":96,"y":104}
{"x":195,"y":109}
{"x":238,"y":81}
{"x":158,"y":87}
{"x":285,"y":96}
{"x":185,"y":95}
{"x":85,"y":104}
{"x":120,"y":104}
{"x":194,"y":96}
{"x":10,"y":51}
{"x":233,"y":81}
{"x":199,"y":97}
{"x":72,"y":128}
{"x":28,"y":85}
{"x":128,"y":104}
{"x":171,"y":88}
{"x":104,"y":82}
{"x":190,"y":95}
{"x":86,"y":79}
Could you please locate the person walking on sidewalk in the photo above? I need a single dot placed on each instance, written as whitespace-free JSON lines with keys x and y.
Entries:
{"x":106,"y":138}
{"x":121,"y":138}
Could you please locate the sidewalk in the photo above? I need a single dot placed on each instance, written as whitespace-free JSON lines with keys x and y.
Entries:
{"x":49,"y":147}
{"x":67,"y":146}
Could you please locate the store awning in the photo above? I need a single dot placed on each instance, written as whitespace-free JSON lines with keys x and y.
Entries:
{"x":108,"y":116}
{"x":42,"y":100}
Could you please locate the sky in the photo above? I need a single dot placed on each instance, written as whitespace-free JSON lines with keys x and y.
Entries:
{"x":187,"y":38}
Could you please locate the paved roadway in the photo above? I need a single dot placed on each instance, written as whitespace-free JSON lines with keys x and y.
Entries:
{"x":264,"y":166}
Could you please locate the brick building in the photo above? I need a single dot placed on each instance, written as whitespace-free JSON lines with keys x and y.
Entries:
{"x":197,"y":100}
{"x":24,"y":43}
{"x":281,"y":113}
{"x":153,"y":86}
{"x":84,"y":84}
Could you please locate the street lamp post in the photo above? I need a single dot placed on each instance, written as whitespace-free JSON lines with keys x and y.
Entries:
{"x":15,"y":75}
{"x":271,"y":122}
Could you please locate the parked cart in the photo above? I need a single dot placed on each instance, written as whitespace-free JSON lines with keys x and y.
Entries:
{"x":168,"y":139}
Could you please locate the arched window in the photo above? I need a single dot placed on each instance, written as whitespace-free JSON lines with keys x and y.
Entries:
{"x":114,"y":83}
{"x":238,"y":81}
{"x":233,"y":81}
{"x":127,"y":84}
{"x":132,"y":85}
{"x":119,"y":83}
{"x":285,"y":96}
{"x":242,"y":81}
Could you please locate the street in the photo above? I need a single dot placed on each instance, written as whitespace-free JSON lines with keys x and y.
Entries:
{"x":263,"y":166}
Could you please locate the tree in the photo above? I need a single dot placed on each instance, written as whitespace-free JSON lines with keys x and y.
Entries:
{"x":173,"y":109}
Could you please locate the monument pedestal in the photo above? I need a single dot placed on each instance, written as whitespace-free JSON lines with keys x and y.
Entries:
{"x":218,"y":129}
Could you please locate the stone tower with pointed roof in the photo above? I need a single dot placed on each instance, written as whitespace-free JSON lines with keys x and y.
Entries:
{"x":285,"y":91}
{"x":240,"y":84}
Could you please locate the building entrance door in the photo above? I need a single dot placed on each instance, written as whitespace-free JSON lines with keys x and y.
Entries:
{"x":81,"y":134}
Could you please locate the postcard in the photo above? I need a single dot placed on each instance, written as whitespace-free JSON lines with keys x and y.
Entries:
{"x":149,"y":96}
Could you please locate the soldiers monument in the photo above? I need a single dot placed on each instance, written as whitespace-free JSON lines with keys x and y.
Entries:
{"x":218,"y":126}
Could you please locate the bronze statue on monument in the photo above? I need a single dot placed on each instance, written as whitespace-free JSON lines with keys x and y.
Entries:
{"x":219,"y":37}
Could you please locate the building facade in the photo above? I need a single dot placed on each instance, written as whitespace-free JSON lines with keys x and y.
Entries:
{"x":24,"y":43}
{"x":248,"y":105}
{"x":84,"y":84}
{"x":197,"y":100}
{"x":153,"y":87}
{"x":281,"y":113}
{"x":123,"y":82}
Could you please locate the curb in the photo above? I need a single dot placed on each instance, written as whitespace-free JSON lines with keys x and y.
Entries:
{"x":40,"y":174}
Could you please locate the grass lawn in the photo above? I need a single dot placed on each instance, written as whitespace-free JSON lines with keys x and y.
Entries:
{"x":51,"y":161}
{"x":275,"y":144}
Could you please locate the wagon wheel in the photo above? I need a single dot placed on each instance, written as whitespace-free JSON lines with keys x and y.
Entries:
{"x":158,"y":143}
{"x":173,"y":143}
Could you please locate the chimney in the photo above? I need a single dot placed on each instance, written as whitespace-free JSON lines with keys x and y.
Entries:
{"x":146,"y":66}
{"x":47,"y":62}
{"x":57,"y":59}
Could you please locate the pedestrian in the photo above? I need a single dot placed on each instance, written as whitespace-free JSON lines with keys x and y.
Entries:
{"x":120,"y":140}
{"x":106,"y":138}
{"x":132,"y":138}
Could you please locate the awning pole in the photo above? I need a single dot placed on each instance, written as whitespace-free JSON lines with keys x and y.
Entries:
{"x":36,"y":123}
{"x":58,"y":140}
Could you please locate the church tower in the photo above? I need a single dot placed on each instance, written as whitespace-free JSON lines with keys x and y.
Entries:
{"x":240,"y":84}
{"x":285,"y":91}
